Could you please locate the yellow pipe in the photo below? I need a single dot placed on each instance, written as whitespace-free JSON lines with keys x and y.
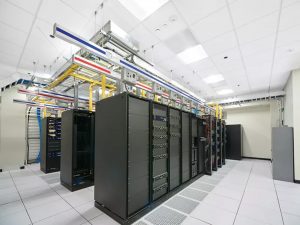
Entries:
{"x":44,"y":112}
{"x":95,"y":82}
{"x":103,"y":86}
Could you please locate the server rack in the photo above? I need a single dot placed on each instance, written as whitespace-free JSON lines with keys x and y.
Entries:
{"x":160,"y":167}
{"x":202,"y":145}
{"x":208,"y":161}
{"x":122,"y":171}
{"x":174,"y":147}
{"x":224,"y":140}
{"x":214,"y":143}
{"x":185,"y":147}
{"x":51,"y":138}
{"x":194,"y":146}
{"x":234,"y":145}
{"x":77,"y":149}
{"x":219,"y":141}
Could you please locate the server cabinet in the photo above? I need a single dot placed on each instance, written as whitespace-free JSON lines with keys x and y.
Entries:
{"x":202,"y":145}
{"x":186,"y":147}
{"x":159,"y":151}
{"x":122,"y":178}
{"x":174,"y":147}
{"x":207,"y":123}
{"x":224,"y":138}
{"x":194,"y":145}
{"x":214,"y":143}
{"x":219,"y":142}
{"x":51,"y":138}
{"x":77,"y":149}
{"x":234,"y":146}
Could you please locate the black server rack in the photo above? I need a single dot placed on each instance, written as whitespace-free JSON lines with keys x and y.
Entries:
{"x":122,"y":154}
{"x":174,"y":147}
{"x":208,"y":161}
{"x":224,"y":140}
{"x":214,"y":143}
{"x":194,"y":145}
{"x":186,"y":147}
{"x":77,"y":149}
{"x":234,"y":145}
{"x":159,"y":151}
{"x":202,"y":145}
{"x":51,"y":138}
{"x":219,"y":141}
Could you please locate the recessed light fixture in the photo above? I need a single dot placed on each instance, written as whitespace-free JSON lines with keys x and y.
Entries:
{"x":213,"y":79}
{"x":225,"y":92}
{"x":192,"y":54}
{"x":142,"y":8}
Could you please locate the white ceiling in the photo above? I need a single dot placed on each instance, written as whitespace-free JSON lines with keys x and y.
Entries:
{"x":261,"y":39}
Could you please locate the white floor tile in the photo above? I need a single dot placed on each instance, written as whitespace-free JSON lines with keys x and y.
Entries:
{"x":19,"y":218}
{"x":290,"y":208}
{"x":42,"y":199}
{"x":80,"y":197}
{"x":88,"y":210}
{"x":291,"y":219}
{"x":259,"y":213}
{"x":46,"y":210}
{"x":222,"y":202}
{"x":11,"y":208}
{"x":229,"y":192}
{"x":103,"y":220}
{"x":70,"y":217}
{"x":9,"y":197}
{"x":242,"y":220}
{"x":193,"y":221}
{"x":213,"y":215}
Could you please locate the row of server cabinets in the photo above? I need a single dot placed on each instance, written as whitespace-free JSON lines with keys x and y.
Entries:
{"x":145,"y":151}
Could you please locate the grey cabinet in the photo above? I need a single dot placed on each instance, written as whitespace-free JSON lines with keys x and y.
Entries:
{"x":283,"y":154}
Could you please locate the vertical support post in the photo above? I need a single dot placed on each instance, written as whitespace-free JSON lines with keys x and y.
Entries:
{"x":75,"y":94}
{"x":91,"y":97}
{"x":103,"y":86}
{"x":44,"y":112}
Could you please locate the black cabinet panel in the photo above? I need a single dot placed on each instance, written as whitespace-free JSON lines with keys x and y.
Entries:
{"x":234,"y":136}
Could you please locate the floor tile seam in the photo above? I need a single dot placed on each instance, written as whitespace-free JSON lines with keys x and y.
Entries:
{"x":66,"y":202}
{"x":243,"y":194}
{"x":278,"y":203}
{"x":21,"y":198}
{"x":292,"y":214}
{"x":218,"y":207}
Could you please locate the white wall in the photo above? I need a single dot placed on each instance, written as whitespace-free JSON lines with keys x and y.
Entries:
{"x":288,"y":103}
{"x":12,"y":130}
{"x":256,"y":122}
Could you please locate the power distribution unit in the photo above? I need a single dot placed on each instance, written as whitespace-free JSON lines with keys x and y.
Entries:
{"x":77,"y":149}
{"x":143,"y":155}
{"x":51,"y":140}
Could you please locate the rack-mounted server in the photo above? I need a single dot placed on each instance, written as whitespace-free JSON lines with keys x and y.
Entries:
{"x":195,"y":145}
{"x":77,"y":149}
{"x":214,"y":154}
{"x":219,"y":142}
{"x":143,"y":151}
{"x":224,"y":140}
{"x":51,"y":138}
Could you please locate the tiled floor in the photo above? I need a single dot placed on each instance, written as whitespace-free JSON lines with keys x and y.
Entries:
{"x":241,"y":193}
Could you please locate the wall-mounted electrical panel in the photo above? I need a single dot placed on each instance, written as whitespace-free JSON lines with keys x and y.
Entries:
{"x":51,"y":139}
{"x":77,"y":149}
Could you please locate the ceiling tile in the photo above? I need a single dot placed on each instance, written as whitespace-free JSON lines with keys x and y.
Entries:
{"x":12,"y":35}
{"x":144,"y":37}
{"x":159,"y":53}
{"x":258,"y":29}
{"x":246,"y":11}
{"x":165,"y":22}
{"x":220,"y":44}
{"x":15,"y":17}
{"x":290,"y":16}
{"x":212,"y":26}
{"x":286,"y":3}
{"x":28,"y":6}
{"x":196,"y":10}
{"x":232,"y":62}
{"x":279,"y":80}
{"x":258,"y":59}
{"x":288,"y":36}
{"x":261,"y":45}
{"x":181,"y":41}
{"x":202,"y":64}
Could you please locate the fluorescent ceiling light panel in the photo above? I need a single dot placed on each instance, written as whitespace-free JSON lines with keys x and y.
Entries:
{"x":213,"y":78}
{"x":225,"y":92}
{"x":192,"y":54}
{"x":142,"y":8}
